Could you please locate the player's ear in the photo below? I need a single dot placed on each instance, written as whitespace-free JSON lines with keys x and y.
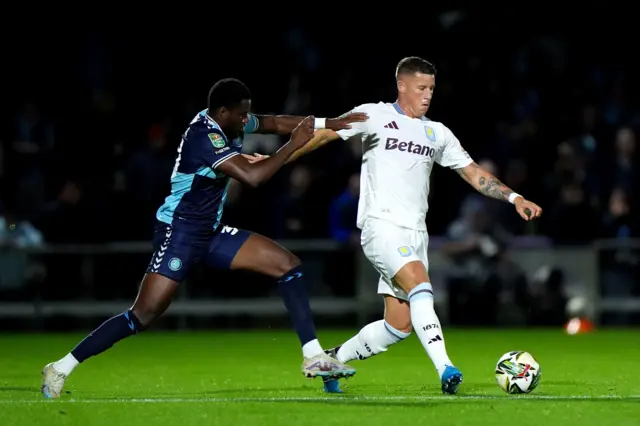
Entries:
{"x":401,"y":86}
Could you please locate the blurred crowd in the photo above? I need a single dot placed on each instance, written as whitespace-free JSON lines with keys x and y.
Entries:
{"x":553,"y":122}
{"x":88,"y":143}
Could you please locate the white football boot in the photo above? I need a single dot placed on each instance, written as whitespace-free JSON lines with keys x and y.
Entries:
{"x":52,"y":381}
{"x":322,"y":365}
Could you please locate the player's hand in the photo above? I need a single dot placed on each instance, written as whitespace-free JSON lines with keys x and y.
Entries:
{"x":343,"y":121}
{"x":526,"y":209}
{"x":254,"y":158}
{"x":304,"y":132}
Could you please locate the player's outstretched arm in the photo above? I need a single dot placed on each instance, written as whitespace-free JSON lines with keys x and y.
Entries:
{"x":284,"y":124}
{"x":324,"y":136}
{"x":490,"y":186}
{"x":256,"y":173}
{"x":321,"y":138}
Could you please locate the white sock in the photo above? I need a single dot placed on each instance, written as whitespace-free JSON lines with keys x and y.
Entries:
{"x":311,"y":349}
{"x":373,"y":339}
{"x":66,"y":364}
{"x":427,"y":325}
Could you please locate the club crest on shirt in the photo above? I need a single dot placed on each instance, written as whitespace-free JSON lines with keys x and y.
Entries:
{"x":216,"y":140}
{"x":404,"y":251}
{"x":431,"y":134}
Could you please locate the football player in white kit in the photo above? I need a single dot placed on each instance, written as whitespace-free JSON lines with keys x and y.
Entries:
{"x":392,"y":210}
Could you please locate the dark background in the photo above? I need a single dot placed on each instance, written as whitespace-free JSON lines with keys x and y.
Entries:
{"x":547,"y":94}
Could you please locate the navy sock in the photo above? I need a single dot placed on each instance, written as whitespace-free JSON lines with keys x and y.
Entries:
{"x":293,"y":290}
{"x":110,"y":332}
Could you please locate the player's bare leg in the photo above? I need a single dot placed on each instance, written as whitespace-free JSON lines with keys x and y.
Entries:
{"x":374,"y":338}
{"x":154,"y":297}
{"x":265,"y":256}
{"x":414,"y":280}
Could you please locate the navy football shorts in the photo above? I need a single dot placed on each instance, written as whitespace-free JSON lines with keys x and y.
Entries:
{"x":178,"y":248}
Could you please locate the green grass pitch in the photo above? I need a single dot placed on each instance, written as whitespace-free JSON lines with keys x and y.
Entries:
{"x":253,"y":378}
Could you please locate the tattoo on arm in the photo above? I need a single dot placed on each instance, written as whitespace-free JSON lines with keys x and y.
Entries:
{"x":485,"y":183}
{"x":492,"y":187}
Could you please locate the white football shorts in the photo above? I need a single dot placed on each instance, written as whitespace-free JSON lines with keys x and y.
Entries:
{"x":389,"y":247}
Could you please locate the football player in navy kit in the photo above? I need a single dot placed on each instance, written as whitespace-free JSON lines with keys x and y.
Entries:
{"x":188,"y":228}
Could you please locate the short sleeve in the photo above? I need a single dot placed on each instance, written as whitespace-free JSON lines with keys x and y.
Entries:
{"x":218,"y":149}
{"x":452,"y":155}
{"x":356,"y":128}
{"x":252,"y":124}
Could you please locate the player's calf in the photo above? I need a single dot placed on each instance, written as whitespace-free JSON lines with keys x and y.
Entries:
{"x":427,"y":325}
{"x":376,"y":337}
{"x":153,"y":299}
{"x":372,"y":340}
{"x":110,"y":332}
{"x":293,"y":289}
{"x":413,"y":279}
{"x":262,"y":255}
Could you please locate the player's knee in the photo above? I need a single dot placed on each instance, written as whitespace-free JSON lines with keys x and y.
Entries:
{"x":400,"y":329}
{"x":147,"y":313}
{"x":144,"y":316}
{"x":400,"y":324}
{"x":286,"y":265}
{"x":411,"y":275}
{"x":399,"y":321}
{"x":397,"y":314}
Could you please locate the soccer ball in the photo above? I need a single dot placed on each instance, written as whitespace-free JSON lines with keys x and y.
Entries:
{"x":518,"y":372}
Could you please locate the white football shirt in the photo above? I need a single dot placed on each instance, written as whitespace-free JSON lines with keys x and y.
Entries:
{"x":394,"y":180}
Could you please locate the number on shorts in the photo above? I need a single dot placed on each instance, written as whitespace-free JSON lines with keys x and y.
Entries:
{"x":229,"y":230}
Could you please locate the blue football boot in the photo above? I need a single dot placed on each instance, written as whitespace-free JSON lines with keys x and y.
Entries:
{"x":332,"y":385}
{"x":451,"y":379}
